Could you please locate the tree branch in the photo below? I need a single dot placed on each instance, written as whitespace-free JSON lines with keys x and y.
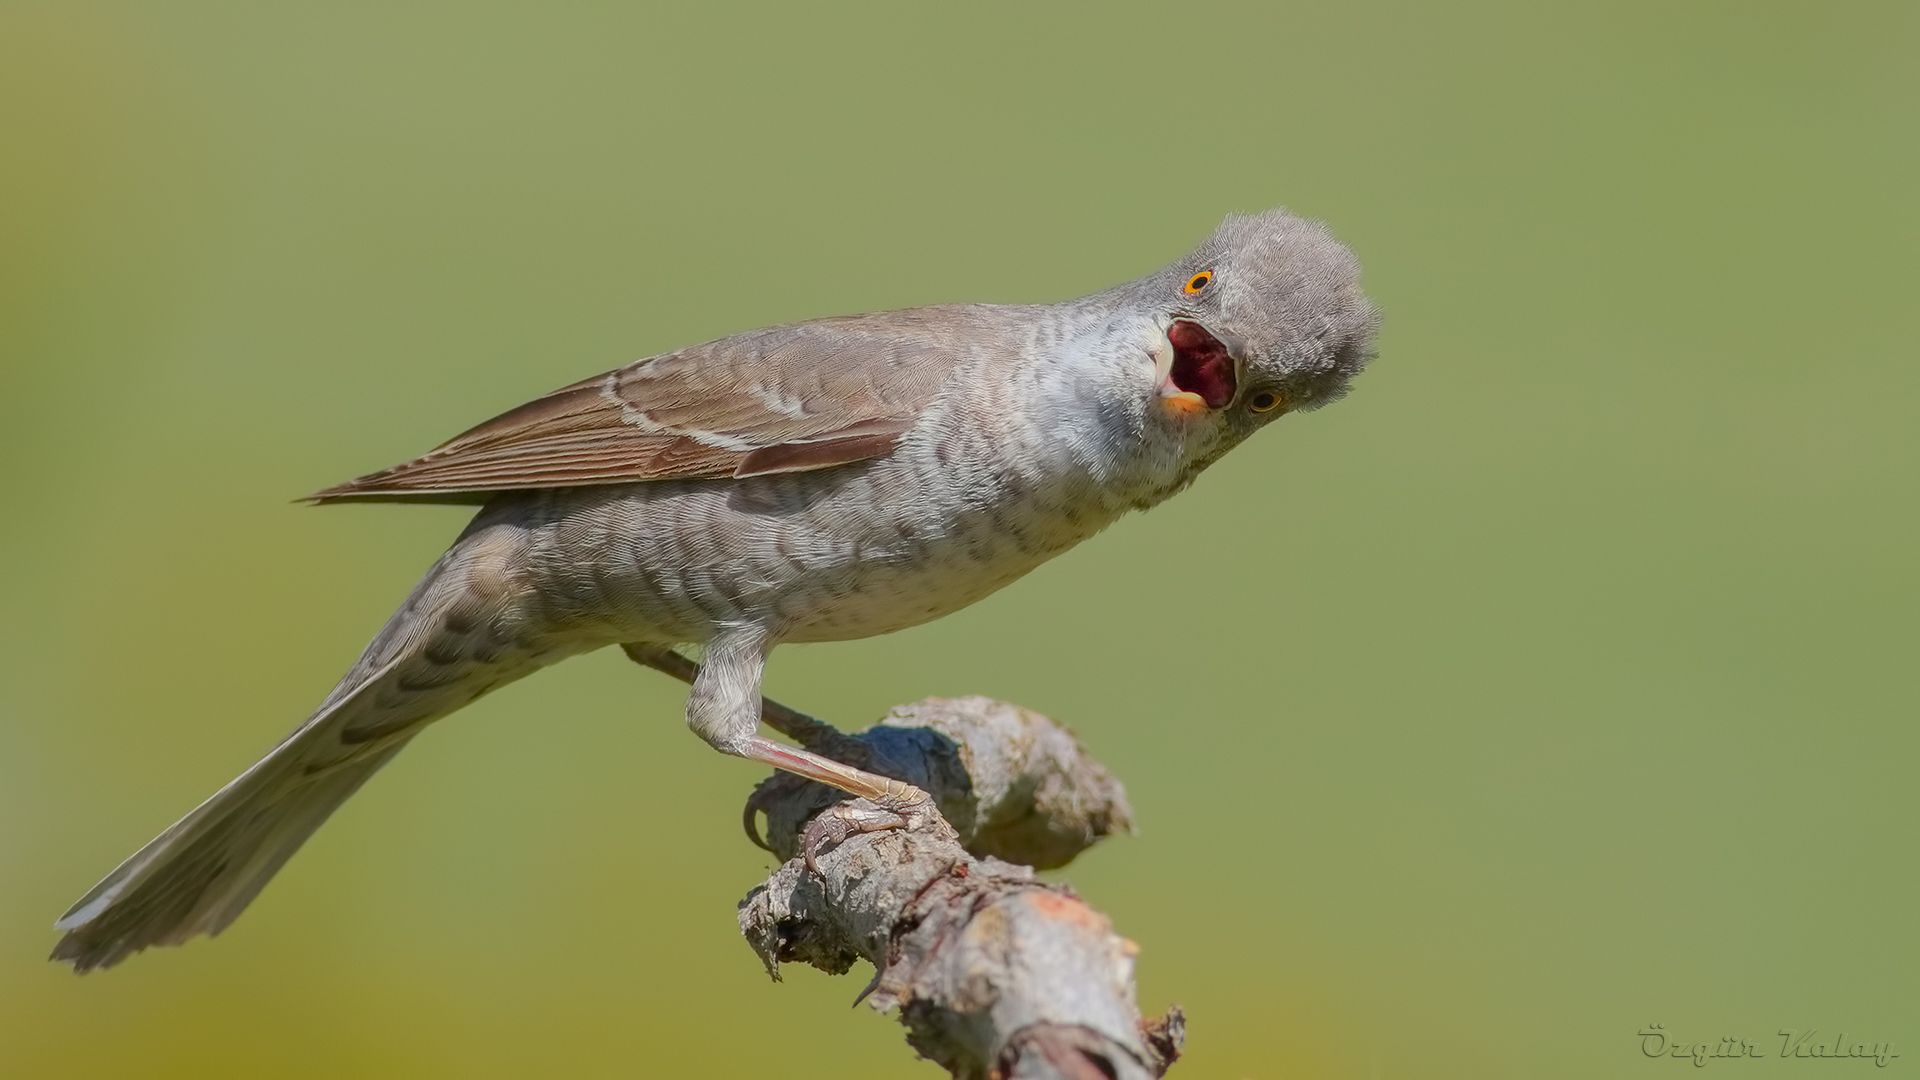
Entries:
{"x":995,"y":973}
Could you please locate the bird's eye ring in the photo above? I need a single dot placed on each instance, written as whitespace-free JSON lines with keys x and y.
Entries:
{"x":1198,"y":281}
{"x":1264,"y":401}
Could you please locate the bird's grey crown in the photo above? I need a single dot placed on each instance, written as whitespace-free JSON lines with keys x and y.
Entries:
{"x":1289,"y":294}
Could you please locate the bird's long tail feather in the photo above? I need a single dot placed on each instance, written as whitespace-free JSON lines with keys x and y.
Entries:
{"x":458,"y":636}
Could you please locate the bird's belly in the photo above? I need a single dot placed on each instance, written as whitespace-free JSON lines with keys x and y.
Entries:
{"x":898,"y":571}
{"x":671,"y":564}
{"x":879,"y":597}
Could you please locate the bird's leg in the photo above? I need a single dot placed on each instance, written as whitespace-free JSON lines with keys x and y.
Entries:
{"x":814,"y":734}
{"x":724,"y":709}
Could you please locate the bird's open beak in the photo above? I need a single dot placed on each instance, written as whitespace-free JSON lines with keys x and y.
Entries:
{"x":1196,"y":372}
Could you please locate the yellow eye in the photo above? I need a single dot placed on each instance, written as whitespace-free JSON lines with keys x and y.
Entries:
{"x":1199,"y":281}
{"x":1264,"y":401}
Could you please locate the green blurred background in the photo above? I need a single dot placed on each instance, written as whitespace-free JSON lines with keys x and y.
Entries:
{"x":1558,"y":682}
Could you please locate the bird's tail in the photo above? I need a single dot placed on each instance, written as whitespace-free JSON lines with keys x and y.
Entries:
{"x":460,"y":634}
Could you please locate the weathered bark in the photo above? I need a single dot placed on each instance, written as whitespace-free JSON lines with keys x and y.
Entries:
{"x":995,"y":973}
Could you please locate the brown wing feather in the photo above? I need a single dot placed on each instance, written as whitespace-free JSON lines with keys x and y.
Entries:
{"x":791,"y":398}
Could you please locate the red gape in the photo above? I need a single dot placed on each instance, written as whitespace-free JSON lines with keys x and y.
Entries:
{"x":1200,"y":363}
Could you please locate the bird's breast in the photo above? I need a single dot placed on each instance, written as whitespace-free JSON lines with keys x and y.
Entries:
{"x":917,"y":538}
{"x":837,"y":554}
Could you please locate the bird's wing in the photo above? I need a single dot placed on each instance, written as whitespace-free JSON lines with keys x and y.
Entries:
{"x":786,"y":399}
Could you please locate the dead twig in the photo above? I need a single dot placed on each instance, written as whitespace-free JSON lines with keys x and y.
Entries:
{"x":995,"y":974}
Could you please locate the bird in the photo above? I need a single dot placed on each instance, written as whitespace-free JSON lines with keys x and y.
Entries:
{"x":826,"y":480}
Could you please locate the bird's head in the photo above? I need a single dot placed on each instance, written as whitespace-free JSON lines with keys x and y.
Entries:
{"x":1264,"y":318}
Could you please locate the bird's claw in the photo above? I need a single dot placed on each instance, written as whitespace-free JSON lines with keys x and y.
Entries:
{"x":749,"y":818}
{"x":765,"y":794}
{"x":907,"y":808}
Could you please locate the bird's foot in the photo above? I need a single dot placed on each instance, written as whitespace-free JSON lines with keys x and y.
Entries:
{"x":903,"y":806}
